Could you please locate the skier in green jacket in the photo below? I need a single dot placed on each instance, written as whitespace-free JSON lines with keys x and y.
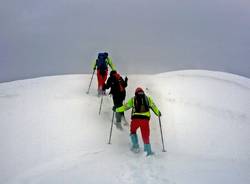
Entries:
{"x":140,"y":116}
{"x":101,"y":64}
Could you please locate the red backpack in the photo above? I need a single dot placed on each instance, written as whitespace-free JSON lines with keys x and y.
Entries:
{"x":120,"y":83}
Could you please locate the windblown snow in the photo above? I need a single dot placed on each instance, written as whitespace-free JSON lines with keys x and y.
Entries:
{"x":51,"y":133}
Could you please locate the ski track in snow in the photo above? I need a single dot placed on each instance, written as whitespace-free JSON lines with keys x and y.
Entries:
{"x":142,"y":171}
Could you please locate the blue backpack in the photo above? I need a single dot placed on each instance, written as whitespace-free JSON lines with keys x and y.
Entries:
{"x":101,"y":63}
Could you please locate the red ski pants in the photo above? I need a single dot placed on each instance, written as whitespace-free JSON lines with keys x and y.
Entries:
{"x":101,"y":79}
{"x":144,"y":126}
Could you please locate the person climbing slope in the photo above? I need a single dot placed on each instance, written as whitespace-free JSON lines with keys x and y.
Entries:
{"x":101,"y":64}
{"x":140,"y":116}
{"x":118,"y":92}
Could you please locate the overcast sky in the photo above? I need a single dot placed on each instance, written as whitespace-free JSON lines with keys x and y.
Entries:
{"x":48,"y":37}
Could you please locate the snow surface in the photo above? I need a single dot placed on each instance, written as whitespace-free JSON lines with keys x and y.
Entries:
{"x":51,"y":133}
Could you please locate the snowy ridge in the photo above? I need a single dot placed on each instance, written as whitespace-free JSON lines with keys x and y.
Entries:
{"x":50,"y":131}
{"x":216,"y":75}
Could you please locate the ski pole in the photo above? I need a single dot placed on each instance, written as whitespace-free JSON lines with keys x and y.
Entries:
{"x":101,"y":105}
{"x":112,"y":122}
{"x":90,"y":81}
{"x":163,"y":148}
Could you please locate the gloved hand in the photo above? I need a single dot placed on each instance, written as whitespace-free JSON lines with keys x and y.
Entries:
{"x":113,"y":108}
{"x":126,"y":79}
{"x":159,"y":114}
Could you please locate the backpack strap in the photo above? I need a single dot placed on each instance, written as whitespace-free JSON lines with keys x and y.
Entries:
{"x":147,"y":101}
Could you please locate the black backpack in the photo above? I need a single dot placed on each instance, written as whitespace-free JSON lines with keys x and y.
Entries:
{"x":141,"y":103}
{"x":101,"y":63}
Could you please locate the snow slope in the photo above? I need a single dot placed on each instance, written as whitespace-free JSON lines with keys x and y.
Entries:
{"x":50,"y":131}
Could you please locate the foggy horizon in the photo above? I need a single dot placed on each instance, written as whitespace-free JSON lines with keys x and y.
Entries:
{"x":142,"y":37}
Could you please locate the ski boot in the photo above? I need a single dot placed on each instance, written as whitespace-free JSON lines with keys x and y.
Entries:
{"x":135,"y":146}
{"x":118,"y":120}
{"x":147,"y":149}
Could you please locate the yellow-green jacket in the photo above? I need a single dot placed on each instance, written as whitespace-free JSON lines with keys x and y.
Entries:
{"x":130,"y":104}
{"x":108,"y":61}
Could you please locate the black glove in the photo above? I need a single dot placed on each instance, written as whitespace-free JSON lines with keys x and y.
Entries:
{"x":126,"y":79}
{"x":113,"y":108}
{"x":159,"y":113}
